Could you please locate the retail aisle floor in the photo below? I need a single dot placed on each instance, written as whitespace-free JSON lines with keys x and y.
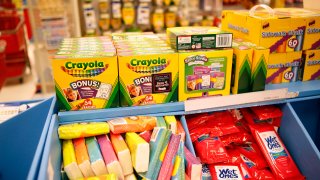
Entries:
{"x":15,"y":91}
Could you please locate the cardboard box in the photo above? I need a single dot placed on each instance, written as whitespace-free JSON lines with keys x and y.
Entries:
{"x":148,"y":79}
{"x":279,"y":33}
{"x":310,"y":65}
{"x":241,"y":68}
{"x":312,"y":33}
{"x":86,"y":80}
{"x":260,"y":57}
{"x":283,"y":67}
{"x":188,"y":38}
{"x":204,"y":73}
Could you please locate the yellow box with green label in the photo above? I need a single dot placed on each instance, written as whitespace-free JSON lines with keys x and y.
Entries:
{"x":204,"y":73}
{"x":86,"y":83}
{"x":283,"y":67}
{"x":260,"y":57}
{"x":279,"y":33}
{"x":241,"y":68}
{"x":311,"y":65}
{"x":148,"y":79}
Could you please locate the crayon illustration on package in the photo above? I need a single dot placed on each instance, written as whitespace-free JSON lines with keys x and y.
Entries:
{"x":109,"y":156}
{"x":84,"y":75}
{"x":97,"y":163}
{"x":121,"y":149}
{"x":276,"y":154}
{"x":82,"y":157}
{"x":69,"y":160}
{"x":132,"y":124}
{"x":78,"y":130}
{"x":148,"y":73}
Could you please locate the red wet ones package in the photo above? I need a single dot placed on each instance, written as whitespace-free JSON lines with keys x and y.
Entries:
{"x":226,"y":171}
{"x":253,"y":152}
{"x":210,"y":150}
{"x":276,"y":154}
{"x":262,"y":114}
{"x":214,"y":124}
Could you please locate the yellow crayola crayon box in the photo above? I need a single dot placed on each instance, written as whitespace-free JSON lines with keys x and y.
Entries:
{"x":148,"y":79}
{"x":283,"y":67}
{"x":241,"y":68}
{"x":86,"y":81}
{"x":258,"y":66}
{"x":277,"y":32}
{"x":204,"y":73}
{"x":311,"y":65}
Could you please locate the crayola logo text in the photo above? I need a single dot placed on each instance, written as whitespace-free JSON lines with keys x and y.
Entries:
{"x":272,"y":142}
{"x":148,"y":62}
{"x":228,"y":173}
{"x":85,"y":83}
{"x":85,"y":65}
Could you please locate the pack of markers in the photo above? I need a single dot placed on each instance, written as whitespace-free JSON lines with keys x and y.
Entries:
{"x":128,"y":148}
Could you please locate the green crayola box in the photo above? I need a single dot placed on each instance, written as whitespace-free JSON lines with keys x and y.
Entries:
{"x":202,"y":37}
{"x":241,"y":68}
{"x":148,"y":79}
{"x":85,"y":82}
{"x":279,"y":33}
{"x":259,"y":64}
{"x":283,"y":67}
{"x":204,"y":73}
{"x":311,"y":65}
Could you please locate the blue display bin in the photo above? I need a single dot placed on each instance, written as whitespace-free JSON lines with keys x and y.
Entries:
{"x":22,"y":139}
{"x":52,"y":156}
{"x":292,"y":132}
{"x":307,"y":116}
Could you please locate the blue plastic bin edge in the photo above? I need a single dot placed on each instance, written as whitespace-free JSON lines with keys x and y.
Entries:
{"x":38,"y":154}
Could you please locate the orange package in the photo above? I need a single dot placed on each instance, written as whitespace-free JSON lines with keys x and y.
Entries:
{"x":132,"y":124}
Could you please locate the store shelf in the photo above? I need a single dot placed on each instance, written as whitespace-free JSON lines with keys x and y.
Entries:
{"x":274,"y":94}
{"x":308,"y":88}
{"x":176,"y":108}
